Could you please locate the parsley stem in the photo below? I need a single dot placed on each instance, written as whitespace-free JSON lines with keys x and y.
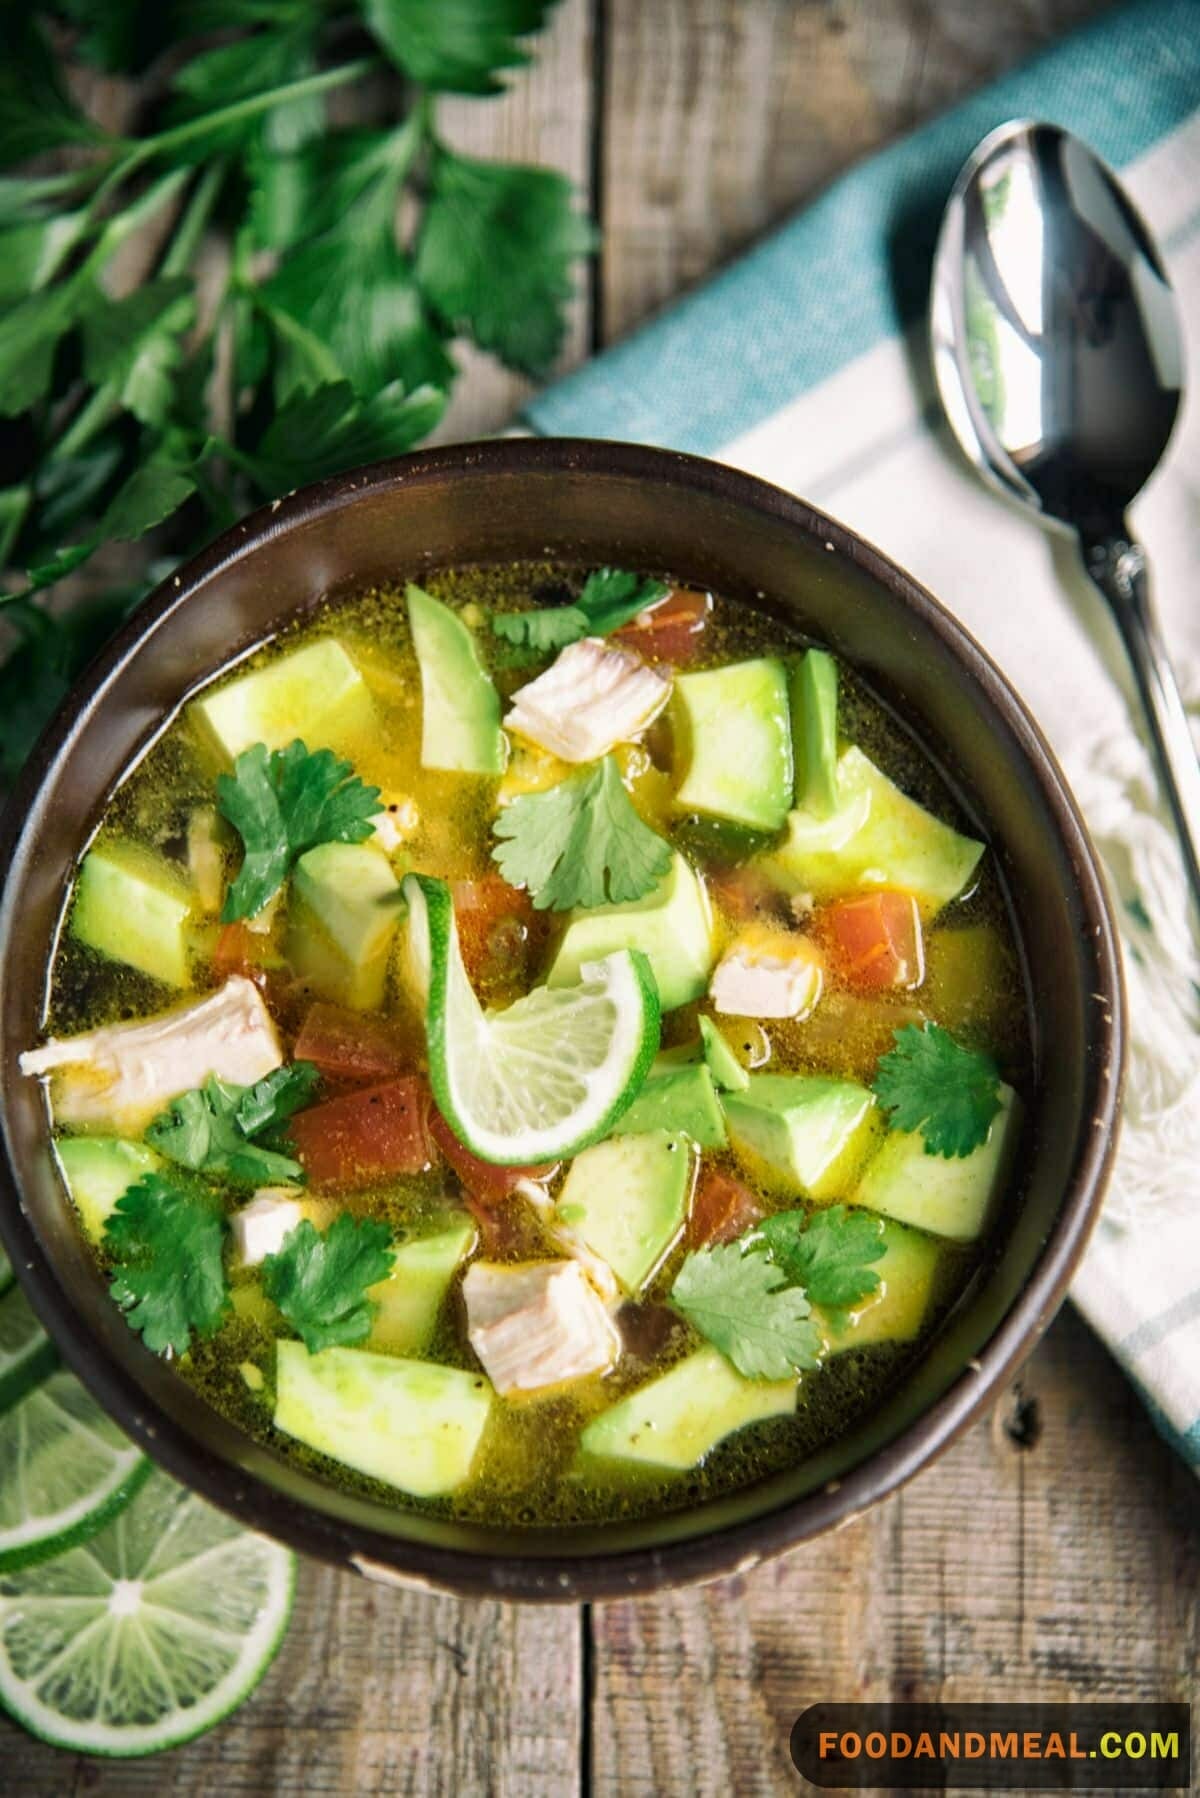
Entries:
{"x":193,"y":220}
{"x":179,"y":135}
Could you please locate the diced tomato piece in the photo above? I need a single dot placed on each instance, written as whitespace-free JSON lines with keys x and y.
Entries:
{"x":875,"y":940}
{"x":722,"y":1209}
{"x":238,"y":951}
{"x":483,"y":1180}
{"x":498,"y":930}
{"x":367,"y":1135}
{"x":673,"y":629}
{"x":351,"y":1045}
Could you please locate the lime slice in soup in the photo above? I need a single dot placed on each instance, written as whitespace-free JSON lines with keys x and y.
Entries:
{"x":149,"y":1633}
{"x":65,"y":1470}
{"x":548,"y":1075}
{"x":26,"y":1352}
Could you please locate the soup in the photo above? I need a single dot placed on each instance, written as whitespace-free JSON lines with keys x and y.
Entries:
{"x":537,"y":1048}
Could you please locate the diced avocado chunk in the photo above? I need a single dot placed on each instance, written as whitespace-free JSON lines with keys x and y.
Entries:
{"x":724,"y":1066}
{"x":733,"y":729}
{"x":342,"y":919}
{"x":460,"y":708}
{"x":627,"y":1199}
{"x":948,"y":1197}
{"x":133,"y":906}
{"x":411,"y":1297}
{"x":682,"y":1100}
{"x":814,"y":732}
{"x":412,"y":1424}
{"x":677,"y":1419}
{"x":875,"y":837}
{"x":897,"y":1308}
{"x":803,"y":1134}
{"x":316,"y":693}
{"x":672,"y":926}
{"x":98,"y":1170}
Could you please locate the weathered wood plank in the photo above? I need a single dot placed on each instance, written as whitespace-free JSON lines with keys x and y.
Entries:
{"x":723,"y":115}
{"x":546,"y":117}
{"x":1065,"y":1568}
{"x":376,"y":1692}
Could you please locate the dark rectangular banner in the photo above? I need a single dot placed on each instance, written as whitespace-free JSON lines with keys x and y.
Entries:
{"x":996,"y":1747}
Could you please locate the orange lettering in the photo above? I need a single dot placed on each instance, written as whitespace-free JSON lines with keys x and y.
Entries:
{"x":974,"y":1745}
{"x":924,"y":1747}
{"x":1054,"y":1750}
{"x":1031,"y":1745}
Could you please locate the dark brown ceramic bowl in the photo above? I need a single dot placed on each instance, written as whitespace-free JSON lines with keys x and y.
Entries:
{"x":589,"y":503}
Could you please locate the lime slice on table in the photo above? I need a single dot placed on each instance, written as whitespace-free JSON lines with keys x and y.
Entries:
{"x":549,"y":1074}
{"x":65,"y":1470}
{"x":147,"y":1634}
{"x":26,"y":1352}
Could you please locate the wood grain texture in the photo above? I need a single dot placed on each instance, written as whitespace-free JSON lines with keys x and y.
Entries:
{"x":1053,"y":1553}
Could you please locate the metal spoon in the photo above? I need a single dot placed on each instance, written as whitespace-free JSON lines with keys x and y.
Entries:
{"x":1058,"y":354}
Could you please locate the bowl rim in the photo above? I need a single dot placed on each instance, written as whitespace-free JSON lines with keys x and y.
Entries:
{"x":571,"y":1577}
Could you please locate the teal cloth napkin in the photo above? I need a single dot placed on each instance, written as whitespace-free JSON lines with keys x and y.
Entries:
{"x":803,"y":363}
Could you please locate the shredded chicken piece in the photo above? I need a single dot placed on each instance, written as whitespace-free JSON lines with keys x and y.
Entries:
{"x":122,"y":1075}
{"x":260,"y":1228}
{"x":753,"y":981}
{"x":591,"y":698}
{"x":537,"y":1325}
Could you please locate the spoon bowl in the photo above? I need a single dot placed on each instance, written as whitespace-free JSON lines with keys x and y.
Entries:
{"x":1058,"y":352}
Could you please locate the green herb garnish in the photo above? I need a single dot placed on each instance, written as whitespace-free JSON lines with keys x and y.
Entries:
{"x":742,"y":1303}
{"x":169,"y":1278}
{"x":829,"y":1253}
{"x":282,"y":804}
{"x":930,"y":1083}
{"x":611,"y":597}
{"x":319,"y":1278}
{"x":213,"y":1129}
{"x":580,"y":843}
{"x":338,"y":321}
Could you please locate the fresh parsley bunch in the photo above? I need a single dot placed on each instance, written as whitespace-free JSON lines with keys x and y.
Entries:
{"x":320,"y":338}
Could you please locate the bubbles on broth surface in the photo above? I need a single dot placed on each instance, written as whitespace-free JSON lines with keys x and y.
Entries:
{"x":528,"y":1470}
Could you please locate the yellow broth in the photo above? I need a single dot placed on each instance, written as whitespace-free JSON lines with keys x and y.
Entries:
{"x":528,"y":1470}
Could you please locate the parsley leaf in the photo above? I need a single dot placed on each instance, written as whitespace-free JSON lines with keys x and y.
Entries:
{"x":826,"y":1252}
{"x":580,"y":843}
{"x":610,"y":598}
{"x":319,"y":430}
{"x":282,"y":803}
{"x":743,"y":1305}
{"x":319,"y":1278}
{"x":136,"y":344}
{"x":212,"y":1128}
{"x":457,"y":46}
{"x":930,"y":1083}
{"x":495,"y":254}
{"x":169,"y":1279}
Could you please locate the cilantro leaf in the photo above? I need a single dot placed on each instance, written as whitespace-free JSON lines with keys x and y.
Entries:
{"x":610,"y":598}
{"x":930,"y":1083}
{"x":169,"y":1277}
{"x":319,"y":1278}
{"x":495,"y":253}
{"x":212,"y":1128}
{"x":826,"y":1252}
{"x":743,"y":1305}
{"x":457,"y":46}
{"x":580,"y":843}
{"x":282,"y":803}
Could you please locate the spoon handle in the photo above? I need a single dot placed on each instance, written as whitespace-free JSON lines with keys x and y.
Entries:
{"x":1118,"y":567}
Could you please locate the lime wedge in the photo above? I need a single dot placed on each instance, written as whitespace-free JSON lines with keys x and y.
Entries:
{"x":65,"y":1470}
{"x":548,"y":1075}
{"x":26,"y":1352}
{"x":149,"y":1633}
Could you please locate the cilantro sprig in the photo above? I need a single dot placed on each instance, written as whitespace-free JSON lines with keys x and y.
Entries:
{"x":355,"y":257}
{"x":233,"y":1132}
{"x":319,"y":1278}
{"x":744,"y":1305}
{"x":285,"y":802}
{"x":753,"y":1298}
{"x":165,"y":1240}
{"x":610,"y":598}
{"x":932,"y":1084}
{"x":580,"y":843}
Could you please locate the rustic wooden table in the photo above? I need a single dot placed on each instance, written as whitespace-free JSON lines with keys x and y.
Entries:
{"x":1054,"y":1551}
